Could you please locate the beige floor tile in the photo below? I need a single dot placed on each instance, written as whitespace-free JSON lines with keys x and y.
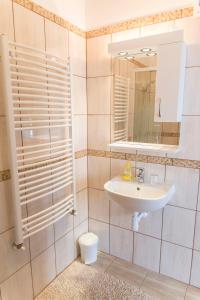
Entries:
{"x":103,"y":261}
{"x":163,"y":287}
{"x":127,"y":271}
{"x":192,"y":293}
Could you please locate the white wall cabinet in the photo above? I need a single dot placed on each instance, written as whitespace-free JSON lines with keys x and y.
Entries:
{"x":171,"y":62}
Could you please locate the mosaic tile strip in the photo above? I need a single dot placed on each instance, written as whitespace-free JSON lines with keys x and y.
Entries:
{"x":50,"y":16}
{"x":4,"y":175}
{"x":142,"y":21}
{"x":81,"y":153}
{"x":186,"y":163}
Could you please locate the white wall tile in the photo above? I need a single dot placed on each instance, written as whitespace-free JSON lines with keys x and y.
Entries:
{"x":77,"y":52}
{"x":176,"y":261}
{"x":98,"y":132}
{"x":146,"y":252}
{"x":6,"y":20}
{"x":99,"y":95}
{"x":64,"y":251}
{"x":82,"y":207}
{"x":191,"y":29}
{"x":78,"y":231}
{"x":193,"y":58}
{"x":4,"y":156}
{"x":102,"y":231}
{"x":79,"y":97}
{"x":192,"y":93}
{"x":152,"y":169}
{"x":197,"y":232}
{"x":43,"y":270}
{"x":186,"y":186}
{"x":152,"y":224}
{"x":120,"y":216}
{"x":178,"y":225}
{"x":63,"y":226}
{"x":117,"y":167}
{"x":121,"y":243}
{"x":98,"y":205}
{"x":195,"y":278}
{"x":80,"y":132}
{"x":11,"y":260}
{"x":18,"y":286}
{"x":98,"y":58}
{"x":98,"y":171}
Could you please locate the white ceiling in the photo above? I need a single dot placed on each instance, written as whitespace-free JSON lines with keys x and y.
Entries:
{"x":91,"y":14}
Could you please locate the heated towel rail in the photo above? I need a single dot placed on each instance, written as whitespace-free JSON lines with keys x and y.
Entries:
{"x":121,"y":101}
{"x":37,"y":94}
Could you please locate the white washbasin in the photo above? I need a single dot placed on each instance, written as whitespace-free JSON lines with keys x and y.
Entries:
{"x":139,"y":197}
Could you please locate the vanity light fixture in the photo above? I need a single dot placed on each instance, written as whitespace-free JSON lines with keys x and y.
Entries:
{"x":151,"y":54}
{"x":145,"y":50}
{"x":123,"y":53}
{"x":129,"y":57}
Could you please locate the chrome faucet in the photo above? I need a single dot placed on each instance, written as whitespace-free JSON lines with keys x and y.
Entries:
{"x":140,"y":175}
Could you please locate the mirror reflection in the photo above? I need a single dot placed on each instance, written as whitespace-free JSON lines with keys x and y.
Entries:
{"x":134,"y":93}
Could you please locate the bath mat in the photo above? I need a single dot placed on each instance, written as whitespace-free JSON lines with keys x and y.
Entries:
{"x":81,"y":282}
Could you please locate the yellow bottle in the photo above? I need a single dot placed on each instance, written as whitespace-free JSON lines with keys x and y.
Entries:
{"x":127,"y":174}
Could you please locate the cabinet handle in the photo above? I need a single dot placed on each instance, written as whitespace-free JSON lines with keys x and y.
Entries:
{"x":159,"y":107}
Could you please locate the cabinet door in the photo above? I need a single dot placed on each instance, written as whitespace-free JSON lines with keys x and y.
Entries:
{"x":170,"y":82}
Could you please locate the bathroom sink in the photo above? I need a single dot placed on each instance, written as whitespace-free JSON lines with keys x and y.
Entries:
{"x":139,"y":197}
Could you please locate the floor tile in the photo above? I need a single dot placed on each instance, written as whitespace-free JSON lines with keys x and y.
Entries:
{"x":192,"y":293}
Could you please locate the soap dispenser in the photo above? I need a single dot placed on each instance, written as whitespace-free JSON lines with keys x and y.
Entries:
{"x":127,"y":173}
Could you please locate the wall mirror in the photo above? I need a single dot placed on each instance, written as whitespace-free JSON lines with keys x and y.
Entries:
{"x":148,"y":91}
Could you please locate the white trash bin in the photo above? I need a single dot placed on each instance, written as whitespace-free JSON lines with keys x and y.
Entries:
{"x":89,"y":245}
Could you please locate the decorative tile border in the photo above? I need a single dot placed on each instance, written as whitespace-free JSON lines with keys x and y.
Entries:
{"x":167,"y":161}
{"x":4,"y":175}
{"x":81,"y":153}
{"x":50,"y":16}
{"x":131,"y":24}
{"x":142,"y":21}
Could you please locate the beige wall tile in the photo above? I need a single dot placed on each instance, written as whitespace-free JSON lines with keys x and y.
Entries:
{"x":6,"y":211}
{"x":126,"y":35}
{"x":99,"y":95}
{"x":152,"y":169}
{"x":98,"y":132}
{"x":176,"y":261}
{"x":117,"y":167}
{"x":6,"y":19}
{"x":98,"y":205}
{"x":43,"y":270}
{"x":56,"y":39}
{"x":63,"y":226}
{"x":79,"y":97}
{"x":18,"y":286}
{"x":78,"y":231}
{"x":102,"y":231}
{"x":186,"y":186}
{"x":82,"y":207}
{"x":81,"y":173}
{"x":119,"y":237}
{"x":178,"y":226}
{"x":41,"y":241}
{"x":197,"y":231}
{"x":98,"y":171}
{"x":193,"y":58}
{"x":77,"y":52}
{"x":119,"y":216}
{"x":157,"y":28}
{"x":187,"y":139}
{"x":98,"y":58}
{"x":33,"y":33}
{"x":146,"y":252}
{"x":11,"y":260}
{"x":64,"y":251}
{"x":191,"y":93}
{"x":4,"y":154}
{"x":80,"y":132}
{"x":195,"y":279}
{"x":191,"y":29}
{"x":152,"y":224}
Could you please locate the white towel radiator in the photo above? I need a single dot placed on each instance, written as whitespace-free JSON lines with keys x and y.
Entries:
{"x":121,"y":101}
{"x":37,"y":95}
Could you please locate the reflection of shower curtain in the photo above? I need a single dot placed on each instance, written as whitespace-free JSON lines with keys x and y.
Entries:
{"x":145,"y":129}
